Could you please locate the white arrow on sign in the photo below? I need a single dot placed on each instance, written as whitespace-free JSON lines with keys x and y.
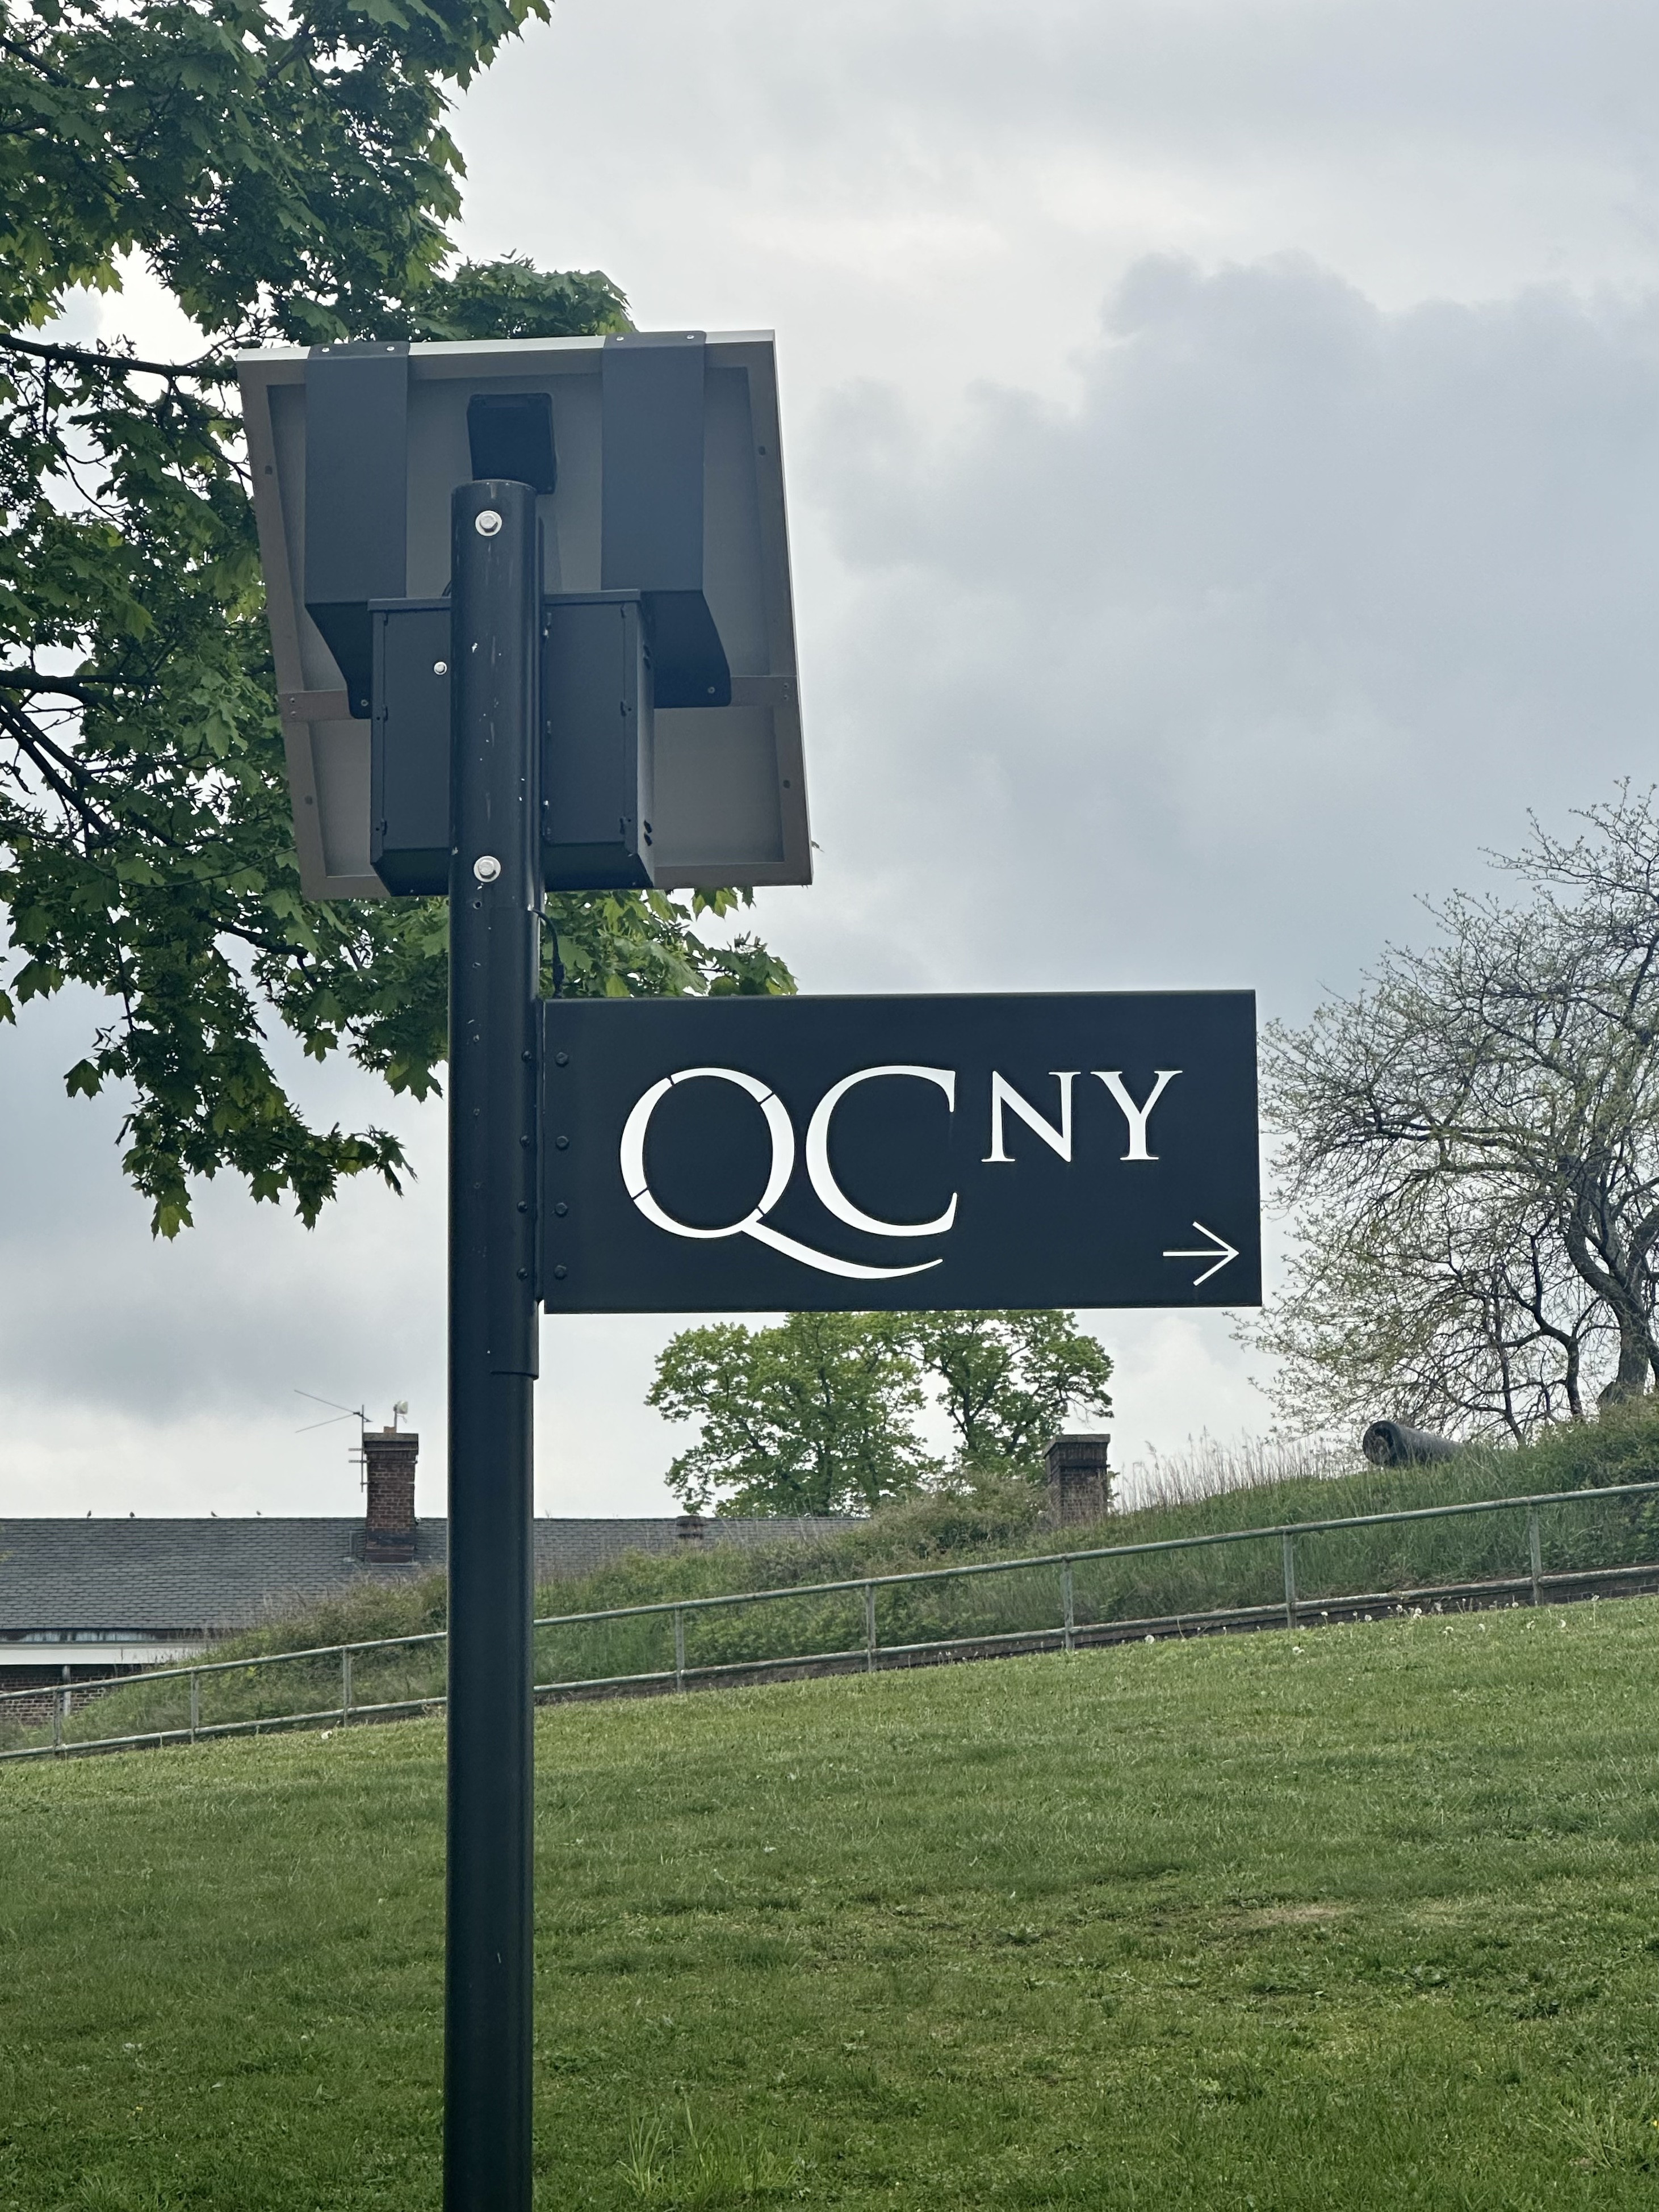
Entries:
{"x":1217,"y":1250}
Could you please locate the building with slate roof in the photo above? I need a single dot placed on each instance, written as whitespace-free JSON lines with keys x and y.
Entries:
{"x":84,"y":1598}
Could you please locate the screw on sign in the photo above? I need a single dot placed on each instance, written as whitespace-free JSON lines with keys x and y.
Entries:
{"x":730,"y":1153}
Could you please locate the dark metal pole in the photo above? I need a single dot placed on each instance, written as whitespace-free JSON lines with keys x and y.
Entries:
{"x":494,"y":961}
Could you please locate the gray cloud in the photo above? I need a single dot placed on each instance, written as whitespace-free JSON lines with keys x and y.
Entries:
{"x":98,"y":1322}
{"x":1204,"y":678}
{"x":921,"y":186}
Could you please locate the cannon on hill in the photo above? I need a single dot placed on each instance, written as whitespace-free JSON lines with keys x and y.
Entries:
{"x":1391,"y":1443}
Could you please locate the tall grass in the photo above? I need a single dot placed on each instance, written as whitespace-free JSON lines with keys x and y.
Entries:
{"x":1206,"y":1467}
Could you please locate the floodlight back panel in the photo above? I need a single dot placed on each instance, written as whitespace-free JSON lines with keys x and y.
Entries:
{"x":731,"y":792}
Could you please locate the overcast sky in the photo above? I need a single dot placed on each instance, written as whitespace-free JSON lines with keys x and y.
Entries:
{"x":1224,"y":462}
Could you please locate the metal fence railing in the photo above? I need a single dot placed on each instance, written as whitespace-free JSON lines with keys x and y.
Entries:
{"x":1299,"y":1573}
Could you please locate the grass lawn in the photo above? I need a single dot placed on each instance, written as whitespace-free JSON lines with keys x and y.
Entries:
{"x":1369,"y":1917}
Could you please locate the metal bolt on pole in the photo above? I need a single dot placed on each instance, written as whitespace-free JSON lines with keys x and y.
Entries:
{"x":1289,"y":1579}
{"x":1534,"y":1555}
{"x":494,"y":1081}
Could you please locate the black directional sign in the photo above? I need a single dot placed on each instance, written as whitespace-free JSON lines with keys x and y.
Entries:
{"x":740,"y":1155}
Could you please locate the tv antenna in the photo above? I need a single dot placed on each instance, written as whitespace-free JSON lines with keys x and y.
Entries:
{"x":358,"y":1413}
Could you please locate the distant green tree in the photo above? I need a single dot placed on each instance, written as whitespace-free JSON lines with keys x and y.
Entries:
{"x":513,"y":298}
{"x":283,"y":169}
{"x":1009,"y":1381}
{"x":818,"y":1414}
{"x":814,"y":1416}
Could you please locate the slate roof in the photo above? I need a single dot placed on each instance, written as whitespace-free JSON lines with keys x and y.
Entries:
{"x":166,"y":1580}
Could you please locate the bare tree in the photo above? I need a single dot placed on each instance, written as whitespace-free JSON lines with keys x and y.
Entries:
{"x":1451,"y":1316}
{"x":1470,"y":1148}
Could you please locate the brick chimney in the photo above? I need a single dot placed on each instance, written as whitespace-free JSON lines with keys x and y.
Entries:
{"x":389,"y":1457}
{"x":1079,"y":1479}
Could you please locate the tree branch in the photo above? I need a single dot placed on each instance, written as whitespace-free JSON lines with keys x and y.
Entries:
{"x":125,"y":364}
{"x":45,"y":757}
{"x":31,"y":684}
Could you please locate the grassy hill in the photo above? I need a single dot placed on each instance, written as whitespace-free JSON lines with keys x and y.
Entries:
{"x":1000,"y":1521}
{"x":1366,"y":1919}
{"x":1004,"y":1521}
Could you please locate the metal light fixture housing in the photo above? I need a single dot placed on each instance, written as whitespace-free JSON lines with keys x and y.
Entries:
{"x":353,"y":503}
